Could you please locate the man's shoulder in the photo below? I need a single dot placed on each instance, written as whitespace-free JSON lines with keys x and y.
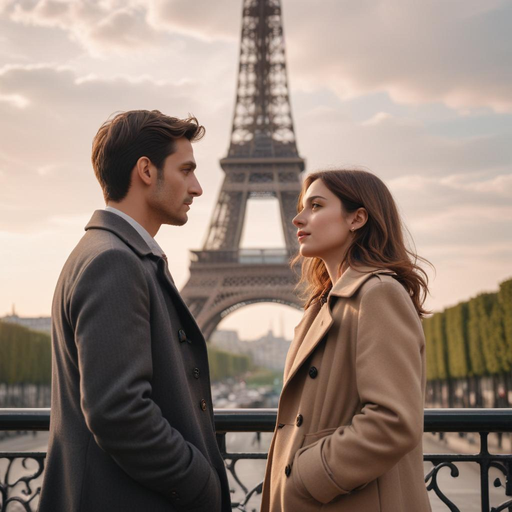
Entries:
{"x":98,"y":241}
{"x":99,"y":248}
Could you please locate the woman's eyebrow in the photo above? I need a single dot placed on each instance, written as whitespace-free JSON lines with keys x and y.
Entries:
{"x":312,"y":198}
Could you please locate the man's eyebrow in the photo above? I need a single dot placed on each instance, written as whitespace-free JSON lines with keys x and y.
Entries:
{"x":189,"y":163}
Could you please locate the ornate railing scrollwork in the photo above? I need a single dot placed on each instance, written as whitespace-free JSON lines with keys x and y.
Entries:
{"x":434,"y":486}
{"x":24,"y":496}
{"x":24,"y":490}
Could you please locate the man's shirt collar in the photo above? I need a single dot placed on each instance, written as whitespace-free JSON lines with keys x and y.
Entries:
{"x":152,"y":244}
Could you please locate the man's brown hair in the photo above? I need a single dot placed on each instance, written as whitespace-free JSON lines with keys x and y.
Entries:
{"x":128,"y":136}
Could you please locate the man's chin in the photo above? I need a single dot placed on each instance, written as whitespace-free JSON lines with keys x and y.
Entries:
{"x":176,"y":221}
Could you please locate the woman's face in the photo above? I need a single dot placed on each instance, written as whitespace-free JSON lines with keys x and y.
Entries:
{"x":323,"y":227}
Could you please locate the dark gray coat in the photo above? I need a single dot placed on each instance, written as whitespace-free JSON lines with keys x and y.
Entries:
{"x":132,"y":424}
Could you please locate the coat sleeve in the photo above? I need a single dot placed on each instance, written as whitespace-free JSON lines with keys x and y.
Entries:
{"x":110,"y":312}
{"x":389,"y":377}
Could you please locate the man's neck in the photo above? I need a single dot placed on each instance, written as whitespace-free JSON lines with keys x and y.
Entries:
{"x":138,"y":214}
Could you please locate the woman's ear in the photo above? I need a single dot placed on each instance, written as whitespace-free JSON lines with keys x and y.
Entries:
{"x":360,"y":218}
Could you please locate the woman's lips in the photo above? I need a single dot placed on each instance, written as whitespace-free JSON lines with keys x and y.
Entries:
{"x":301,"y":235}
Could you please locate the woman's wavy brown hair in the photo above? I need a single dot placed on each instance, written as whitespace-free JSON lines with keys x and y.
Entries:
{"x":379,"y":243}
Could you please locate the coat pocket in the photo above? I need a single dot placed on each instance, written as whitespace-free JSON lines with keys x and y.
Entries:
{"x":283,"y":495}
{"x":296,"y":496}
{"x":311,"y":478}
{"x":316,"y":436}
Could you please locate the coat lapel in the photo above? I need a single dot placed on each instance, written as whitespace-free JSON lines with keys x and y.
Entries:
{"x":305,"y":341}
{"x":109,"y":221}
{"x":165,"y":277}
{"x":299,"y":333}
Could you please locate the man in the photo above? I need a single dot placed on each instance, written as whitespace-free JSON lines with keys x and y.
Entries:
{"x":132,"y":425}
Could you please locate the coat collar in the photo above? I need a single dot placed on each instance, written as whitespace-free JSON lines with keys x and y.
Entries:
{"x":353,"y":278}
{"x":109,"y":221}
{"x":318,"y":320}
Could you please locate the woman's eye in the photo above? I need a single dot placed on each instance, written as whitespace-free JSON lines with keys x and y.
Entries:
{"x":314,"y":206}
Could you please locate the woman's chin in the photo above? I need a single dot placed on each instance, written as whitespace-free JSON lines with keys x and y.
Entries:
{"x":307,"y":253}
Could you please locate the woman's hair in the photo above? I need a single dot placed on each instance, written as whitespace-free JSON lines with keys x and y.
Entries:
{"x":379,"y":243}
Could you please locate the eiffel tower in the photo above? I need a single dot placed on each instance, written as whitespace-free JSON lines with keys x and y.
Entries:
{"x":262,"y":162}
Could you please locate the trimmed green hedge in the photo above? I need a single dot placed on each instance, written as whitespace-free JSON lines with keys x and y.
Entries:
{"x":471,"y":339}
{"x":25,"y":355}
{"x":226,"y":364}
{"x":25,"y":358}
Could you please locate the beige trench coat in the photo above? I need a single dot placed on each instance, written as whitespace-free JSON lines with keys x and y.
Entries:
{"x":350,"y":418}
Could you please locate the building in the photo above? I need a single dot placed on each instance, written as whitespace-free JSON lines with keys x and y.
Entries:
{"x":269,"y":351}
{"x":41,"y":323}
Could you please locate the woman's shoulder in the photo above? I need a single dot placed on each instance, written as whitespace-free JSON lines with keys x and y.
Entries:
{"x":383,"y":292}
{"x":383,"y":283}
{"x":385,"y":280}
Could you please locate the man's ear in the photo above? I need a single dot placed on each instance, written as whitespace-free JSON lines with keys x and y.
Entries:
{"x":145,"y":171}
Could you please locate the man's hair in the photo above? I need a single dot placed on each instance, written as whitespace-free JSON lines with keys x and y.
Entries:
{"x":128,"y":136}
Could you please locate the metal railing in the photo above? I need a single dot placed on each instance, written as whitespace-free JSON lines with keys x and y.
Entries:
{"x":481,"y":421}
{"x":242,"y":256}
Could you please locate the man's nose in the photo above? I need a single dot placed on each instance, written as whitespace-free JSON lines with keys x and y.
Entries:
{"x":195,"y":188}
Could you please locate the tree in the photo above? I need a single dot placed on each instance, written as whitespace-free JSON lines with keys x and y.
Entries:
{"x":432,"y":373}
{"x":25,"y":359}
{"x":440,"y":348}
{"x":505,"y":301}
{"x":487,"y":312}
{"x":475,"y":339}
{"x":456,"y":337}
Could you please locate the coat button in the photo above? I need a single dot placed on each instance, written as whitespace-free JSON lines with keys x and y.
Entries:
{"x":313,"y":372}
{"x":299,"y":420}
{"x":182,"y":336}
{"x":195,"y":371}
{"x":287,"y":470}
{"x":175,"y":495}
{"x":202,"y":404}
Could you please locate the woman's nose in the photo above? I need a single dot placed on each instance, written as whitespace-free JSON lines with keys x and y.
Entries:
{"x":297,"y":221}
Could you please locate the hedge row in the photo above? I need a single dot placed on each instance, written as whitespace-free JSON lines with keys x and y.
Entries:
{"x":471,"y":339}
{"x":25,"y":355}
{"x":25,"y":358}
{"x":226,"y":364}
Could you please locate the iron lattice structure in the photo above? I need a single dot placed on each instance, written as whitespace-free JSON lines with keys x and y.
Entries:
{"x":262,"y":162}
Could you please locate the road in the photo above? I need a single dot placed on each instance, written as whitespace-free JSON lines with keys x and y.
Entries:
{"x":464,"y":490}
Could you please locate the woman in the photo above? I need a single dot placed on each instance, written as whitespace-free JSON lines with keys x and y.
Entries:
{"x":350,"y":417}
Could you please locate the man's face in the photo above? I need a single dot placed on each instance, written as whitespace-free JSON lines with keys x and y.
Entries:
{"x":174,"y":191}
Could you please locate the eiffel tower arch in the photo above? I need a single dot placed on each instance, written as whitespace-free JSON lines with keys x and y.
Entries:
{"x":262,"y":162}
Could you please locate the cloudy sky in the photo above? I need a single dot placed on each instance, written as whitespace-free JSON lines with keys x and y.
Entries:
{"x":420,"y":93}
